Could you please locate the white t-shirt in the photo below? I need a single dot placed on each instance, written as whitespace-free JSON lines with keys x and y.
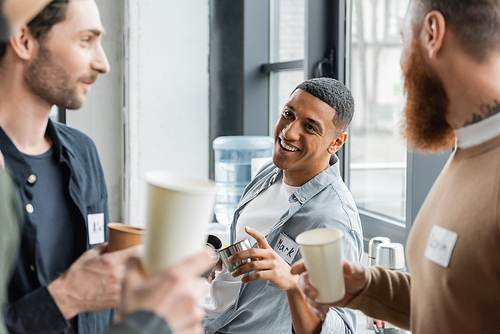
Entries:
{"x":265,"y":210}
{"x":260,"y":214}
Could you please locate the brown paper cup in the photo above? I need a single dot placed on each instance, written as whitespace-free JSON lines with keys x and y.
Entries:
{"x":122,"y":236}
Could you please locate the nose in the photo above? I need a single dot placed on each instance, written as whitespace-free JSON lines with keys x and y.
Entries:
{"x":291,"y":131}
{"x":100,"y":62}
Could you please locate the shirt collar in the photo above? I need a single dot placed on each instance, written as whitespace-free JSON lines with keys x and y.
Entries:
{"x":479,"y":132}
{"x":317,"y":183}
{"x":18,"y":166}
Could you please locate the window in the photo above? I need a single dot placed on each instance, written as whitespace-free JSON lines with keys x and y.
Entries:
{"x":287,"y":37}
{"x":388,"y":183}
{"x":378,"y":152}
{"x":58,"y":114}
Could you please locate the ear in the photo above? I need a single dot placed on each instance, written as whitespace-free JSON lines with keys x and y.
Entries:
{"x":24,"y":44}
{"x":337,"y":143}
{"x":433,"y":31}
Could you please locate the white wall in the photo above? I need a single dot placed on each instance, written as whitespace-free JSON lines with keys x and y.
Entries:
{"x":167,"y":97}
{"x":151,"y":112}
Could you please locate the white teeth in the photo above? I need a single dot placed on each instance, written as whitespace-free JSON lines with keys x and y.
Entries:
{"x":289,"y":148}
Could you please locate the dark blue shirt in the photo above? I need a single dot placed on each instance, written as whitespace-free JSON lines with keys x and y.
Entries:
{"x":55,"y":213}
{"x":31,"y":308}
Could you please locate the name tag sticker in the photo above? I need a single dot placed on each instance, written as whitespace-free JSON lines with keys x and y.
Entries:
{"x":286,"y":248}
{"x":96,"y":228}
{"x":440,"y":245}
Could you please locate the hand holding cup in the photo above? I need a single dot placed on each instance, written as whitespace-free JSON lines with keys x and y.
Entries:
{"x":355,"y":278}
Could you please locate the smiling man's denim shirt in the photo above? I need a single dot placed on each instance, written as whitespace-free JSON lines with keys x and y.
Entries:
{"x":31,"y":308}
{"x":323,"y":202}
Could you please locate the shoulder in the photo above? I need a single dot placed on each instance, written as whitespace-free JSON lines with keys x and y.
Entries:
{"x":74,"y":139}
{"x":334,"y":205}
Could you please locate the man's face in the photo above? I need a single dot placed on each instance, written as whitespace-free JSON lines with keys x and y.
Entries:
{"x":425,"y":125}
{"x":304,"y":136}
{"x":70,"y":58}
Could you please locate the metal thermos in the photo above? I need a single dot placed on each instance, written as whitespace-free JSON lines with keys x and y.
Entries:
{"x":372,"y":261}
{"x":226,"y":252}
{"x":389,"y":256}
{"x":372,"y":249}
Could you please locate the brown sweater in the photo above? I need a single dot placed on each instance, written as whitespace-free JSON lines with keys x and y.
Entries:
{"x":465,"y":296}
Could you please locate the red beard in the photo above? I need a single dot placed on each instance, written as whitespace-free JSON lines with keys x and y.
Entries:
{"x":425,"y":126}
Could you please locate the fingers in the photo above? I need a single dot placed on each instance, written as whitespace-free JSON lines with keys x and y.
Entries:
{"x":258,"y":276}
{"x":298,"y":268}
{"x":193,"y":324}
{"x":211,"y":276}
{"x":187,"y":312}
{"x":2,"y":161}
{"x":195,"y":265}
{"x":134,"y":271}
{"x":261,"y":239}
{"x":124,"y":254}
{"x":354,"y":269}
{"x":306,"y":287}
{"x":252,"y":253}
{"x":218,"y":266}
{"x":98,"y":250}
{"x":252,"y":266}
{"x":21,"y":12}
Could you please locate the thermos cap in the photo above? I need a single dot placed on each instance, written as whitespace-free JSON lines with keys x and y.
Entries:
{"x":390,"y":256}
{"x":374,"y":242}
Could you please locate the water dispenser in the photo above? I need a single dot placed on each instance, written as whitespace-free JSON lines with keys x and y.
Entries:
{"x":237,"y":159}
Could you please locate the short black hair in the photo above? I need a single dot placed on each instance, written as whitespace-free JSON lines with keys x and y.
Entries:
{"x":475,"y":23}
{"x":53,"y":13}
{"x":335,"y":94}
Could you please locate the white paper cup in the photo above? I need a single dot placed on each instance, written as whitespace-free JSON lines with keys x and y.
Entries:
{"x":179,"y":211}
{"x":322,"y":253}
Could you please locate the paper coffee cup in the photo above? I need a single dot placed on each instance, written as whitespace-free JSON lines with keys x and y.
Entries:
{"x":322,"y":253}
{"x":122,"y":236}
{"x":179,"y":211}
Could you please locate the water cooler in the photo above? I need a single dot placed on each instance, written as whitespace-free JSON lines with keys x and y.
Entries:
{"x":237,"y":159}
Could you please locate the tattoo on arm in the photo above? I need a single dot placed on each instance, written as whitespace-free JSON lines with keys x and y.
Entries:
{"x":486,"y":111}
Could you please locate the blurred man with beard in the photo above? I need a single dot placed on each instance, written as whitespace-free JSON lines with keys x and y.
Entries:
{"x":451,"y":64}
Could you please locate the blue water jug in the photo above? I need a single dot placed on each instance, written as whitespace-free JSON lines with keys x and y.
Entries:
{"x":237,"y":159}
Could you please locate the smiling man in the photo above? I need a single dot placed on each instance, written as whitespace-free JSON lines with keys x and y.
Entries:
{"x":301,"y":189}
{"x":451,"y":65}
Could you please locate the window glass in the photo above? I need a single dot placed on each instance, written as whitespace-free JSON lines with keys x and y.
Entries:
{"x":54,"y":113}
{"x":287,"y":30}
{"x":282,"y":84}
{"x":377,"y":157}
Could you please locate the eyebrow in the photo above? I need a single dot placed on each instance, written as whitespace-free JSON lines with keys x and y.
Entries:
{"x":311,"y":120}
{"x":96,"y":32}
{"x":315,"y":122}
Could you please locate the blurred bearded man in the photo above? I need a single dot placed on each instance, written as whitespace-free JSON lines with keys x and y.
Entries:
{"x":451,"y":63}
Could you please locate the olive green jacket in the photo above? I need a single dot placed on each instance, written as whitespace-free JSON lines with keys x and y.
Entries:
{"x":10,"y":231}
